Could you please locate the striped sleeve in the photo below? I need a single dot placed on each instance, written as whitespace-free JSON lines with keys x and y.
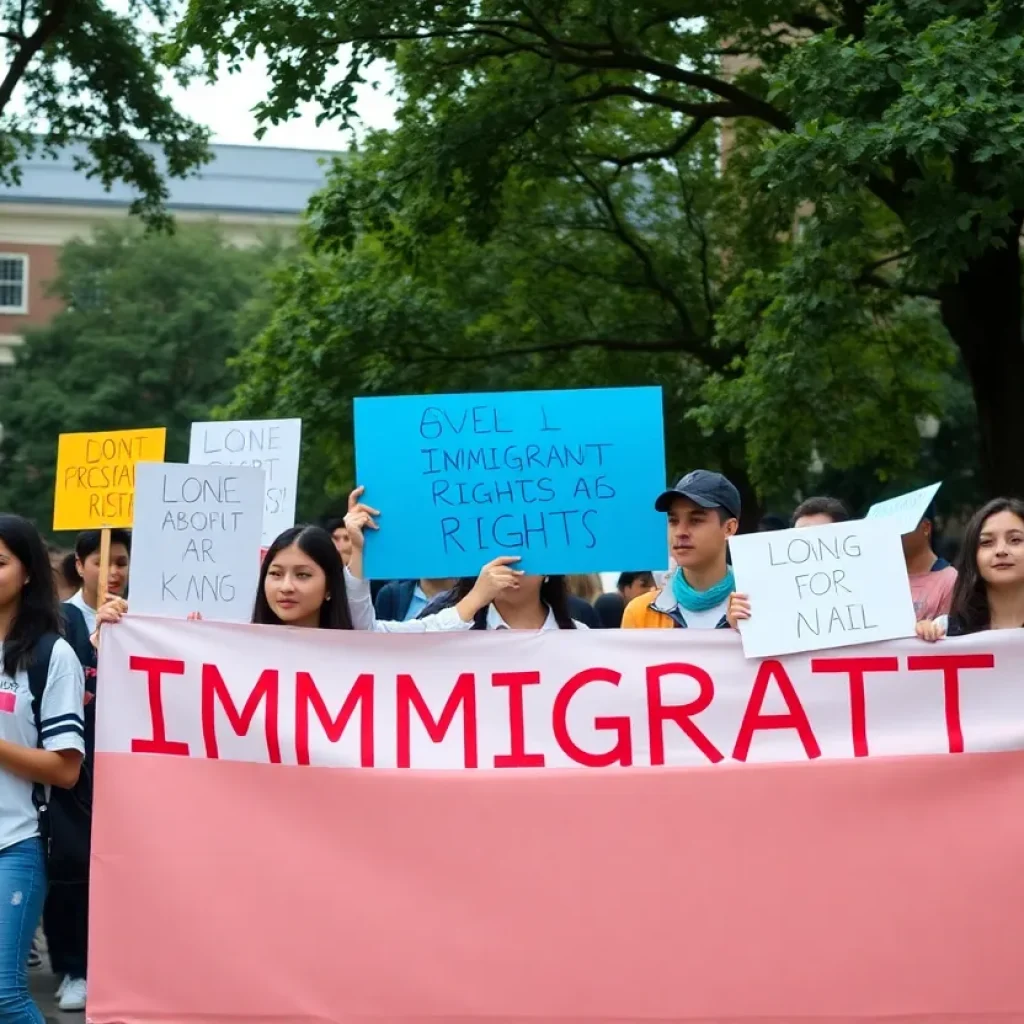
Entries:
{"x":61,"y":719}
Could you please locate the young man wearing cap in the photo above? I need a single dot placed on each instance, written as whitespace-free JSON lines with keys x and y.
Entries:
{"x":703,"y":513}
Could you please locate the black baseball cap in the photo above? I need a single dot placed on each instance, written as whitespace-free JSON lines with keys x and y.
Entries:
{"x":704,"y":488}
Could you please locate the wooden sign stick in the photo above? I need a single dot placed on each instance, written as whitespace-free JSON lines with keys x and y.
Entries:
{"x":101,"y":586}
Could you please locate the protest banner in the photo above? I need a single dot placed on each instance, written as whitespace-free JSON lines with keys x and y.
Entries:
{"x":270,"y":445}
{"x":565,"y":479}
{"x":822,"y":586}
{"x":907,"y":509}
{"x":196,"y":529}
{"x":519,"y":891}
{"x":96,"y":476}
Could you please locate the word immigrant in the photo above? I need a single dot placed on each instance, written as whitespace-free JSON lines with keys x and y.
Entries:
{"x":581,"y":700}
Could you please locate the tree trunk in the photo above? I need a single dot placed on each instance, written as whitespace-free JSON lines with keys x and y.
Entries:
{"x":983,"y":313}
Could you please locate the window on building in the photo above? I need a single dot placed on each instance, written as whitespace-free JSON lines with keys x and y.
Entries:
{"x":13,"y":283}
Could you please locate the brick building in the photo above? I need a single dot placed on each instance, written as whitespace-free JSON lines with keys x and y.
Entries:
{"x":248,"y":190}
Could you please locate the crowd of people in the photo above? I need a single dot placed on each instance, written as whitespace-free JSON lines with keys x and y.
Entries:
{"x":53,"y":608}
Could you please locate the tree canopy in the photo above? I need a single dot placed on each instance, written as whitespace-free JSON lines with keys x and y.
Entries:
{"x":782,"y":211}
{"x":150,"y":325}
{"x":81,"y":70}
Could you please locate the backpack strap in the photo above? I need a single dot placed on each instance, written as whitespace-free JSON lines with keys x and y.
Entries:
{"x":38,"y":673}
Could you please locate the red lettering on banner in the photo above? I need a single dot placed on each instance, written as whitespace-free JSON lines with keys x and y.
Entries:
{"x":754,"y":720}
{"x":155,"y":669}
{"x":622,"y":752}
{"x":681,"y":714}
{"x":463,"y":693}
{"x":518,"y":757}
{"x":951,"y":664}
{"x":266,"y":688}
{"x":856,"y":668}
{"x":307,"y":696}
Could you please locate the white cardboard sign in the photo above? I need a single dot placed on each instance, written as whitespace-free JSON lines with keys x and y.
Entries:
{"x":196,"y":540}
{"x":270,"y":445}
{"x":823,"y":586}
{"x":907,"y":509}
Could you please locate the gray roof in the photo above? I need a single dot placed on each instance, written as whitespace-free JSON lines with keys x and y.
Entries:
{"x":239,"y":179}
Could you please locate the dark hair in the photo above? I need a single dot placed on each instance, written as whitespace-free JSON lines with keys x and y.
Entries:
{"x":554,"y":592}
{"x":316,"y":542}
{"x":37,"y":607}
{"x":334,"y":523}
{"x":823,"y":506}
{"x":69,"y":570}
{"x":627,"y":579}
{"x":970,"y":608}
{"x":769,"y":524}
{"x":88,"y":542}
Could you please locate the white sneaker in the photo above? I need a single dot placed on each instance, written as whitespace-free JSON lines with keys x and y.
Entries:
{"x":73,"y":996}
{"x":62,"y":986}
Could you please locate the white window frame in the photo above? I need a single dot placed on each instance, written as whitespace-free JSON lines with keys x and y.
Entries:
{"x":23,"y":308}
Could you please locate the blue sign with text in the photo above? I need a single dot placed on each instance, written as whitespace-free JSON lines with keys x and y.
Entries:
{"x":566,"y":479}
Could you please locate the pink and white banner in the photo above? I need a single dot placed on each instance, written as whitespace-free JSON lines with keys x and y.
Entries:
{"x":651,"y":828}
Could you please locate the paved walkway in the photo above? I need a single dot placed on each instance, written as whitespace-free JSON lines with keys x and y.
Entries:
{"x":44,"y":986}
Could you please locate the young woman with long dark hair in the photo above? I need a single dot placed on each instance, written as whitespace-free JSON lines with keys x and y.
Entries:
{"x":32,"y":756}
{"x":304,"y":582}
{"x":989,"y":591}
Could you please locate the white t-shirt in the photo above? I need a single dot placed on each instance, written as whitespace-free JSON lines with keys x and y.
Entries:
{"x":495,"y":621}
{"x":78,"y":600}
{"x":61,"y":718}
{"x":706,"y":620}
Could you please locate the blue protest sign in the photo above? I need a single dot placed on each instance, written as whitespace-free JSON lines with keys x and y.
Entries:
{"x":566,"y":479}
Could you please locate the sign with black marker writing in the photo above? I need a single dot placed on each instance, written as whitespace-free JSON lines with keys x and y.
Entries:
{"x":566,"y":479}
{"x":270,"y":445}
{"x":823,"y":586}
{"x":197,"y":531}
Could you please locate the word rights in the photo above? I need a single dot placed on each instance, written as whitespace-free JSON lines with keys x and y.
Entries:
{"x":196,"y":538}
{"x":551,"y":476}
{"x":597,"y":700}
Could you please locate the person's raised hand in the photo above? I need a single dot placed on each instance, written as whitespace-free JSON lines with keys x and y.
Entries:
{"x":737,"y":610}
{"x":931,"y":630}
{"x":359,"y":517}
{"x":113,"y":609}
{"x":496,"y":577}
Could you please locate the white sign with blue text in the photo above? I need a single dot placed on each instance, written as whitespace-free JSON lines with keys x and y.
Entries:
{"x":908,"y":509}
{"x":565,"y":479}
{"x":823,"y":586}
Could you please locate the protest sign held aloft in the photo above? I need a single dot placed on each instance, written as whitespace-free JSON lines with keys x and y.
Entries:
{"x":563,"y":478}
{"x":823,"y":586}
{"x":907,"y":509}
{"x":197,"y":529}
{"x":96,"y":476}
{"x":270,"y":445}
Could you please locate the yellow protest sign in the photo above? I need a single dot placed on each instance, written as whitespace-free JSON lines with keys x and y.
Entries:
{"x":96,"y":476}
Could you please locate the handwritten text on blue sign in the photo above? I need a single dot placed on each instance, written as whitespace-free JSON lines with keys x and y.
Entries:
{"x":567,"y":479}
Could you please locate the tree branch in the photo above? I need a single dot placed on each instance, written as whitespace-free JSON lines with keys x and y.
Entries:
{"x":669,"y":151}
{"x":609,"y":344}
{"x":48,"y":25}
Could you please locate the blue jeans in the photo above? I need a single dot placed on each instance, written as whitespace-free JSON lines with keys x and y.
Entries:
{"x":22,"y":890}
